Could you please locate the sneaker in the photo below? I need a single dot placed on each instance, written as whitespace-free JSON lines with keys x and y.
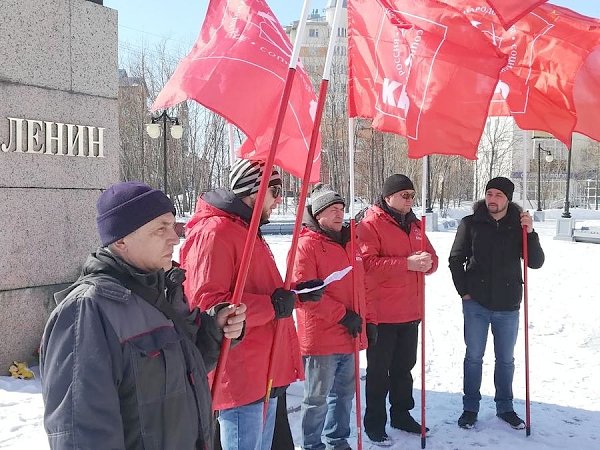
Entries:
{"x":512,"y":419}
{"x":405,"y":422}
{"x":380,"y":440}
{"x":467,"y":419}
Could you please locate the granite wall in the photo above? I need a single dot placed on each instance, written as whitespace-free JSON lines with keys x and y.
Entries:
{"x":58,"y":86}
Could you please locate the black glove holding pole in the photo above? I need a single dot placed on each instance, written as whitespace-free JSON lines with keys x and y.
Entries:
{"x":283,"y":303}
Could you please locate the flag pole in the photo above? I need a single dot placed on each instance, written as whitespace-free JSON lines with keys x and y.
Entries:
{"x":526,"y":328}
{"x":351,"y":146}
{"x":260,"y":197}
{"x":314,"y":138}
{"x":421,"y":285}
{"x":231,"y":143}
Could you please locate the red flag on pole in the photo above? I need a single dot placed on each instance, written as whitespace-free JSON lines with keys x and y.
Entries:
{"x":509,"y":11}
{"x":587,"y":96}
{"x":427,"y":74}
{"x":237,"y":68}
{"x":546,"y":50}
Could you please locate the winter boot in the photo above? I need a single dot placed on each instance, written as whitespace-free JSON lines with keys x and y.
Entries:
{"x":467,"y":419}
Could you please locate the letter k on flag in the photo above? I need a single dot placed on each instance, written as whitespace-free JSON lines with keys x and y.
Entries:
{"x":237,"y":68}
{"x":421,"y":70}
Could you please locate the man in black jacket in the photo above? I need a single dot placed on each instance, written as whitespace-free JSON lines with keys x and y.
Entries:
{"x":123,"y":360}
{"x":485,"y":262}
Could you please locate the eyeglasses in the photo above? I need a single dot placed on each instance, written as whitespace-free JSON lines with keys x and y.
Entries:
{"x":275,"y":191}
{"x":408,"y":195}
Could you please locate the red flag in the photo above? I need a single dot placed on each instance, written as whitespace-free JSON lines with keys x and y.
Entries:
{"x":546,"y":48}
{"x":431,"y":82}
{"x":587,"y":96}
{"x":237,"y":68}
{"x":509,"y":11}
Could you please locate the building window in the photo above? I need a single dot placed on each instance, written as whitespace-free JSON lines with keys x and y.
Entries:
{"x":313,"y":32}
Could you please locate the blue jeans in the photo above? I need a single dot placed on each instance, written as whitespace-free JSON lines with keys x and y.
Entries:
{"x":327,"y":403}
{"x":242,"y":427}
{"x":505,"y":327}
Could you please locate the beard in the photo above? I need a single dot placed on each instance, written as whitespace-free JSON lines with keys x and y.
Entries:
{"x":265,"y":214}
{"x":495,"y":208}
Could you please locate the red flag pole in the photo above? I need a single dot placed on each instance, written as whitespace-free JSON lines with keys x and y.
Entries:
{"x":526,"y":328}
{"x":262,"y":191}
{"x":314,"y":138}
{"x":254,"y":223}
{"x":421,"y":279}
{"x":354,"y":296}
{"x":421,"y":286}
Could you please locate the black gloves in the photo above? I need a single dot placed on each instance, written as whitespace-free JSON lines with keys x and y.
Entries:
{"x":283,"y":302}
{"x":352,"y":322}
{"x":372,"y":334}
{"x":313,"y":296}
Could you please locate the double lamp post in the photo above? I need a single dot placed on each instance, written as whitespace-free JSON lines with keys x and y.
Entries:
{"x":154,"y":131}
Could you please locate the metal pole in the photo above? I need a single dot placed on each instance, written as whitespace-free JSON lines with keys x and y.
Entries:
{"x":539,"y":174}
{"x":164,"y":118}
{"x":428,"y":209}
{"x":596,"y":190}
{"x":566,"y":214}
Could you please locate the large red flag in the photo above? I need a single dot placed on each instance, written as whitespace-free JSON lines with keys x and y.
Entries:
{"x":509,"y":11}
{"x":546,"y":49}
{"x":420,"y":69}
{"x":238,"y":68}
{"x":587,"y":96}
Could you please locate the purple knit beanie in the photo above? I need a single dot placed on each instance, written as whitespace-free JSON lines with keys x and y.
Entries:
{"x":125,"y":207}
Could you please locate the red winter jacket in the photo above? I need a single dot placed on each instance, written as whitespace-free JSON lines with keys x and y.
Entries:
{"x":211,"y":256}
{"x":385,"y":248}
{"x":319,"y":332}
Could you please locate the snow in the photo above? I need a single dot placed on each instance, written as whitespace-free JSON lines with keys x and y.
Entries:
{"x":564,"y":334}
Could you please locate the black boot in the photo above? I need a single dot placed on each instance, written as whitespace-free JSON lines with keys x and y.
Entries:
{"x":405,"y":422}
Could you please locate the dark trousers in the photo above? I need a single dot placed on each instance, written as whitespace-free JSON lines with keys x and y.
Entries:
{"x":389,"y":363}
{"x":282,"y":436}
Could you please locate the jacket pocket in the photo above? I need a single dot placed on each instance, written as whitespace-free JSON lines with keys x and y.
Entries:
{"x":158,"y":364}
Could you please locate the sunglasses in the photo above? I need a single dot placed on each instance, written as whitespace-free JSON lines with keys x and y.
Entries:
{"x":275,"y":191}
{"x":408,"y":195}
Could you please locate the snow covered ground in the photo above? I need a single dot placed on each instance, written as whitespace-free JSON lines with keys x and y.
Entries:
{"x":564,"y":332}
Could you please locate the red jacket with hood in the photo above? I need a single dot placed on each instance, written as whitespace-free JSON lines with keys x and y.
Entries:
{"x":318,"y":256}
{"x":385,"y":247}
{"x":211,"y":256}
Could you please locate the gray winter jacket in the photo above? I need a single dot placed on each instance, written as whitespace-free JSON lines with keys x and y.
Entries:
{"x":117,"y":373}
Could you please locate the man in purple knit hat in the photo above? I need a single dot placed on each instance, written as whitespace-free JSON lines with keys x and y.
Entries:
{"x":123,"y":360}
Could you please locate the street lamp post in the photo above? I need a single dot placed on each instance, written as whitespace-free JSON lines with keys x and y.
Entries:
{"x":153,"y":130}
{"x":566,"y":214}
{"x":549,"y":158}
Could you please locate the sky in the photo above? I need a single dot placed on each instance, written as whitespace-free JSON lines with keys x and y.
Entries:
{"x":564,"y":354}
{"x":151,"y":21}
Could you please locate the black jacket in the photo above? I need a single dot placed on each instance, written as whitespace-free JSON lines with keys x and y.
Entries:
{"x":117,"y":373}
{"x":485,"y":259}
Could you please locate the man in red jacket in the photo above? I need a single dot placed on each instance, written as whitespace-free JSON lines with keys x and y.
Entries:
{"x":327,"y":330}
{"x":211,"y":255}
{"x":390,"y":238}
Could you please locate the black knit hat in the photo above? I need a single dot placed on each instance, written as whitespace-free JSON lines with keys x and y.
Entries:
{"x":322,"y":197}
{"x":245,"y":175}
{"x":502,"y":184}
{"x":125,"y":207}
{"x":396,"y":183}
